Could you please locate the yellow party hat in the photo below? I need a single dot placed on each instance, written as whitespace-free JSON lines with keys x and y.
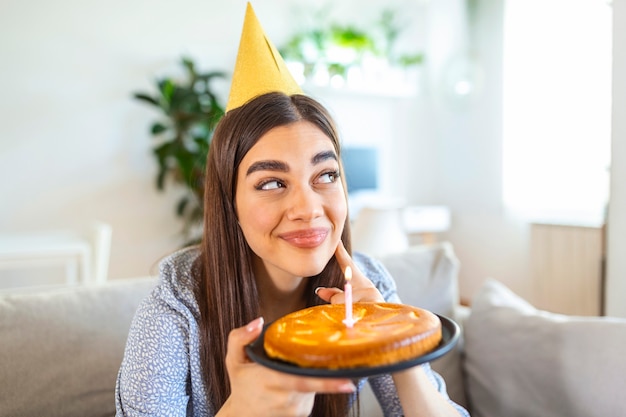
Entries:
{"x":259,"y":68}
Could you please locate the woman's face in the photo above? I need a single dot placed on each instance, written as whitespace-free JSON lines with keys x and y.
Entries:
{"x":290,"y":200}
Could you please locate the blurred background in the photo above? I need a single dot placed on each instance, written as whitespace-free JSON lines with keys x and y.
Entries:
{"x":492,"y":124}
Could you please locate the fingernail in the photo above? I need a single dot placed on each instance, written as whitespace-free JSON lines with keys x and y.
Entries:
{"x":255,"y":324}
{"x":347,"y":387}
{"x":318,"y":290}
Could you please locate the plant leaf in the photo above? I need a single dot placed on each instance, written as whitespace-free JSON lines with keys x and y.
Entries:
{"x":160,"y":179}
{"x":147,"y":98}
{"x":180,"y":208}
{"x":158,"y":128}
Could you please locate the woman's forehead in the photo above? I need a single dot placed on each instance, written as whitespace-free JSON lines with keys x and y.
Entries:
{"x":298,"y":139}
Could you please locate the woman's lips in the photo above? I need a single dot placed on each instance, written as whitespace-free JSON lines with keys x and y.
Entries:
{"x":308,"y":238}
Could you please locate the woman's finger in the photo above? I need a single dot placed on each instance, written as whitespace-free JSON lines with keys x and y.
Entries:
{"x":323,"y":385}
{"x":239,"y":338}
{"x":363,"y":288}
{"x":343,"y":257}
{"x":345,"y":260}
{"x":330,"y":295}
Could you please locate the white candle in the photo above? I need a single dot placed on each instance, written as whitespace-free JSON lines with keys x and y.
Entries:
{"x":349,"y":321}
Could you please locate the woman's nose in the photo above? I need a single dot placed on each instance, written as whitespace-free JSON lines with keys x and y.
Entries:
{"x":304,"y":204}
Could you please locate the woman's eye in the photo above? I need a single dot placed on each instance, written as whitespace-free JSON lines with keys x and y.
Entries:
{"x":270,"y":185}
{"x":329,"y":177}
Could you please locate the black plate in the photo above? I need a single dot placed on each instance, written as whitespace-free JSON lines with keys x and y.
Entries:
{"x":450,"y":336}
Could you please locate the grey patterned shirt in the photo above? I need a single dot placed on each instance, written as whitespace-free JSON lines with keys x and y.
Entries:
{"x":160,"y":374}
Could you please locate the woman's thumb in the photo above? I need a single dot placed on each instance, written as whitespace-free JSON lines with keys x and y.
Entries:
{"x":242,"y":336}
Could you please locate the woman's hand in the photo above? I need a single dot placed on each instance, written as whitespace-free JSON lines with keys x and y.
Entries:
{"x":260,"y":391}
{"x":362,"y":288}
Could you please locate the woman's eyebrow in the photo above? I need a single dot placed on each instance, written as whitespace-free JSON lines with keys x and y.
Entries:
{"x":268,"y":165}
{"x":273,"y":165}
{"x":323,"y":156}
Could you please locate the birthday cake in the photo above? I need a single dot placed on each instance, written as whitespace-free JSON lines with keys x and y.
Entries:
{"x":382,"y":334}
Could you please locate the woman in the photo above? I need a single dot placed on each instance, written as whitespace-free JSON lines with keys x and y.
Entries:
{"x":276,"y":240}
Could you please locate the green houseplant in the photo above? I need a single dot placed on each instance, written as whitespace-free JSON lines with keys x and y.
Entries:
{"x":190,"y":110}
{"x":337,"y":47}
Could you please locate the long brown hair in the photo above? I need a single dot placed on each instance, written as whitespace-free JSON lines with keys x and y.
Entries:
{"x":227,"y":291}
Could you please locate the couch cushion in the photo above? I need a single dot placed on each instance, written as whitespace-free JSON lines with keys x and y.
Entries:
{"x":427,"y":277}
{"x":521,"y":361}
{"x":61,"y":349}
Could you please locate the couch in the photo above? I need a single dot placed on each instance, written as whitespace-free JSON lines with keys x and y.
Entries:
{"x":60,"y":349}
{"x":513,"y":360}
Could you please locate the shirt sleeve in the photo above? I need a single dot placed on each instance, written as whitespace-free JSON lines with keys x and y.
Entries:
{"x":153,"y":376}
{"x":161,"y":373}
{"x":378,"y":274}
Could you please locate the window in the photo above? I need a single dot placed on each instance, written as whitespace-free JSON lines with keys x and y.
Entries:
{"x":557,"y":109}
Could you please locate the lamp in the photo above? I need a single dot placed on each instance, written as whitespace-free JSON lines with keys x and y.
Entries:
{"x":379,"y":230}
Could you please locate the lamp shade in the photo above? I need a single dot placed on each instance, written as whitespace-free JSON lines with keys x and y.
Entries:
{"x":379,"y":231}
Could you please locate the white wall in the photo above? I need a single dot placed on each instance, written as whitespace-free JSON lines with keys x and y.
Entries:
{"x":74,"y":145}
{"x":468,"y":145}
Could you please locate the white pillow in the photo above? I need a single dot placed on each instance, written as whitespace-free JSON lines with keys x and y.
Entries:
{"x":521,"y":361}
{"x":426,"y":276}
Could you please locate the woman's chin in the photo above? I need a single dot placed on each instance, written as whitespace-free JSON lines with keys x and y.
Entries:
{"x":308,"y":267}
{"x":309,"y":271}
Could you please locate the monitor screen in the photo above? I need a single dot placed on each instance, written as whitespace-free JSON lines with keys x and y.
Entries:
{"x":360,"y":168}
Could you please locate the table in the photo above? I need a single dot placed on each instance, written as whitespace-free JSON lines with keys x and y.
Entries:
{"x":47,"y":249}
